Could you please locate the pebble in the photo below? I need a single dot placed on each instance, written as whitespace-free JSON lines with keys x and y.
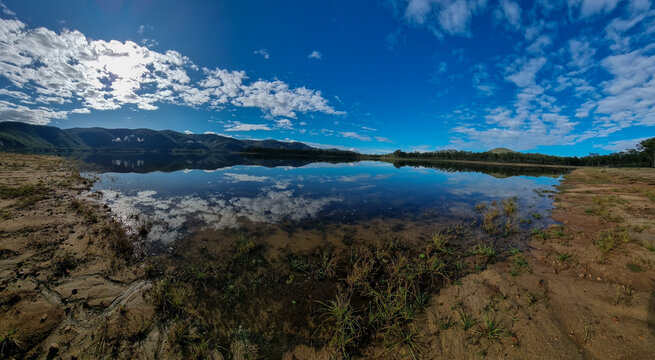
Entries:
{"x":598,"y":278}
{"x":44,"y":318}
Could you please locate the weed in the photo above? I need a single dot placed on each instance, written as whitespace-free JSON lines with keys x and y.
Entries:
{"x":487,"y":250}
{"x":563,"y":257}
{"x":509,"y":206}
{"x":467,"y":320}
{"x":440,"y":241}
{"x":533,"y":298}
{"x":609,"y":241}
{"x":540,"y":233}
{"x":649,"y":245}
{"x":344,"y":321}
{"x":518,"y":265}
{"x":491,"y":329}
{"x":536,"y":215}
{"x":634,"y":267}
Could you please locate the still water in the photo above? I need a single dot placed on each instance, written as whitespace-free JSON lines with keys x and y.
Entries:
{"x":186,"y":196}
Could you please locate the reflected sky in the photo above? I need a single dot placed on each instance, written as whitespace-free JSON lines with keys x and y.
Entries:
{"x":180,"y":202}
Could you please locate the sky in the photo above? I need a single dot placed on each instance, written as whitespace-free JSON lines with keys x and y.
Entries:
{"x":556,"y":77}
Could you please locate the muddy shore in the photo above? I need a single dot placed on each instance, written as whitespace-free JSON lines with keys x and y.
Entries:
{"x":73,"y":283}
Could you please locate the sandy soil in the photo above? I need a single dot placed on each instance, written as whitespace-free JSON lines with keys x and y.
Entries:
{"x":576,"y":302}
{"x":61,"y":277}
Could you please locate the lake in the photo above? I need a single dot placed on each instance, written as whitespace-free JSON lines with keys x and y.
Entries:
{"x":269,"y":255}
{"x":305,"y":203}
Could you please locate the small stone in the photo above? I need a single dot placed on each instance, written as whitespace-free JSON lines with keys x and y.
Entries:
{"x":581,"y":276}
{"x":68,"y":328}
{"x":54,"y":349}
{"x":615,"y":319}
{"x":598,"y":278}
{"x":44,"y":318}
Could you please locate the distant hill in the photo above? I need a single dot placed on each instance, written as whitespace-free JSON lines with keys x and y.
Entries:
{"x":501,"y":151}
{"x":16,"y":136}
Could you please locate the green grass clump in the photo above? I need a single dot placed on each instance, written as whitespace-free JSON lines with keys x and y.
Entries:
{"x":563,"y":257}
{"x":518,"y":264}
{"x":509,"y":206}
{"x":634,"y":267}
{"x":487,"y":250}
{"x":344,"y":321}
{"x":649,"y":245}
{"x":467,"y":320}
{"x":609,"y":241}
{"x":491,"y":329}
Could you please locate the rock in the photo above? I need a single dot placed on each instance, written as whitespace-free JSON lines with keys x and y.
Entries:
{"x":53,"y":349}
{"x":44,"y":318}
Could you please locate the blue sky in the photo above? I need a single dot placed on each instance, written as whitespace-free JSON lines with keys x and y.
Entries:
{"x":558,"y":77}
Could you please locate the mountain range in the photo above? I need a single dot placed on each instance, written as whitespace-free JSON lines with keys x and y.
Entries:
{"x":17,"y":136}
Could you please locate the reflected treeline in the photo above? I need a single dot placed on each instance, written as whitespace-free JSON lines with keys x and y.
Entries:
{"x":495,"y":170}
{"x":169,"y":162}
{"x":145,"y":162}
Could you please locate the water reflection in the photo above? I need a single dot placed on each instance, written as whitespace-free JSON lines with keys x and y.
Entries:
{"x":222,"y":196}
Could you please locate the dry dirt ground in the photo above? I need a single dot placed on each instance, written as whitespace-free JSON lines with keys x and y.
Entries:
{"x":589,"y":292}
{"x":73,"y":286}
{"x":65,"y":265}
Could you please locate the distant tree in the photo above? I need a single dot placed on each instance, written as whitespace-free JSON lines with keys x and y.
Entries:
{"x":648,"y":146}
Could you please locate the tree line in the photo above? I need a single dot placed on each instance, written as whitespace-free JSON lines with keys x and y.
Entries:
{"x":642,"y":155}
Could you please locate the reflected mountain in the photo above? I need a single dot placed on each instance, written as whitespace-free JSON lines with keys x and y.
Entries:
{"x":119,"y":162}
{"x":146,"y":162}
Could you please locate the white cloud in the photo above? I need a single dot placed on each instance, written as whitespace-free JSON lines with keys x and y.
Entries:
{"x":315,"y":55}
{"x":37,"y":116}
{"x":383,"y":139}
{"x":354,"y":135}
{"x":188,"y":132}
{"x":6,"y":10}
{"x":509,"y":11}
{"x":238,"y":126}
{"x":81,"y":111}
{"x":284,"y":124}
{"x":263,"y":53}
{"x":593,"y":7}
{"x":582,"y":54}
{"x":621,"y":145}
{"x":449,"y":16}
{"x":245,"y":177}
{"x":58,"y":68}
{"x":527,"y":73}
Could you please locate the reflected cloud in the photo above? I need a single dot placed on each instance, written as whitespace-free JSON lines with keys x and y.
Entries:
{"x":171,"y":217}
{"x":245,"y":177}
